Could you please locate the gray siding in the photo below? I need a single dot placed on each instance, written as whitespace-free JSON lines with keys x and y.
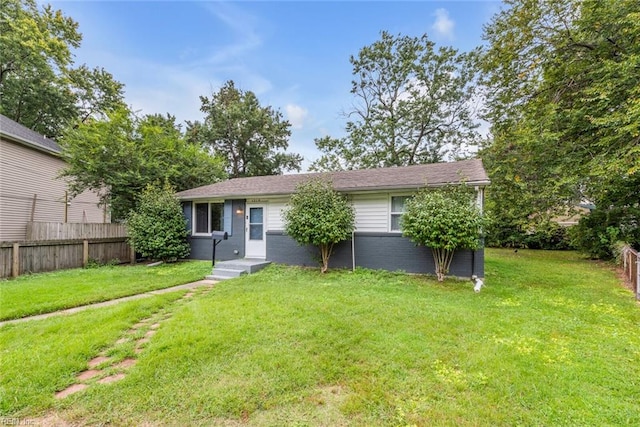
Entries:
{"x":386,"y":251}
{"x":25,"y":172}
{"x":201,"y":246}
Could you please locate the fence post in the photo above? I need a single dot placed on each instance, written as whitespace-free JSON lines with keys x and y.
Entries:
{"x":85,"y":253}
{"x":15,"y":265}
{"x":132,"y":254}
{"x":637,"y":275}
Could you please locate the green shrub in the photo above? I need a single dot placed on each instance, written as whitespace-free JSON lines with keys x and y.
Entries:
{"x":548,"y":235}
{"x":157,"y":228}
{"x":318,"y":215}
{"x":444,"y":220}
{"x":597,"y":233}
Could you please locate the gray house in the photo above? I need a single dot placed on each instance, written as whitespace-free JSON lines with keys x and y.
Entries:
{"x":250,"y":210}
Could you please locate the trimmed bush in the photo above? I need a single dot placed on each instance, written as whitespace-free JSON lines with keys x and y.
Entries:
{"x":157,"y":227}
{"x":318,"y":215}
{"x":444,"y":220}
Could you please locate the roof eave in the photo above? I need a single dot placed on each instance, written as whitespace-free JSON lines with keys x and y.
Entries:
{"x":479,"y":183}
{"x":14,"y":138}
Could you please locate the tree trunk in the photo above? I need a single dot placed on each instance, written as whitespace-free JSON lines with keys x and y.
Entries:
{"x":325,"y":252}
{"x":442,"y":259}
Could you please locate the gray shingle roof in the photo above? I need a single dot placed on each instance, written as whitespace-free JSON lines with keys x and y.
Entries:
{"x":18,"y":133}
{"x":395,"y":178}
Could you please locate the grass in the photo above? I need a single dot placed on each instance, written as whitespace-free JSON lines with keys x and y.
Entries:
{"x":551,"y":340}
{"x":41,"y":357}
{"x":46,"y":292}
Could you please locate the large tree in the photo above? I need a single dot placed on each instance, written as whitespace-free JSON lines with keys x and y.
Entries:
{"x":253,"y":139}
{"x":565,"y":104}
{"x":39,"y":86}
{"x":119,"y":156}
{"x":414,"y":104}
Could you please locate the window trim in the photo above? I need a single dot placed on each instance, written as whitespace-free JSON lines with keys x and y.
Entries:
{"x":392,"y":213}
{"x":194,"y":216}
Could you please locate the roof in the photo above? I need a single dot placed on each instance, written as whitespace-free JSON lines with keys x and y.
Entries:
{"x":394,"y":178}
{"x":14,"y":131}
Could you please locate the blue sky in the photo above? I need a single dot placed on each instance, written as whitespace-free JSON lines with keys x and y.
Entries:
{"x":293,"y":55}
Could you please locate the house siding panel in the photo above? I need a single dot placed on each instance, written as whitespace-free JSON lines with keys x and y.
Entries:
{"x":387,"y":251}
{"x":274,"y":214}
{"x":371,"y":212}
{"x":202,"y":246}
{"x":25,"y":172}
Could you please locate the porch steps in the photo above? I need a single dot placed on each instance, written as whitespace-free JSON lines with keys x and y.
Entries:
{"x":235,"y":268}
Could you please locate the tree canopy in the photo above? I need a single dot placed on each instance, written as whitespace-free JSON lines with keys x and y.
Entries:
{"x":119,"y":156}
{"x":564,"y":78}
{"x":413,"y":105}
{"x":251,"y":138}
{"x":318,"y":215}
{"x":39,"y":86}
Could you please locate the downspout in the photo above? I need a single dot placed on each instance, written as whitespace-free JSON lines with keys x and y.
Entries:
{"x":473,"y":263}
{"x":353,"y":250}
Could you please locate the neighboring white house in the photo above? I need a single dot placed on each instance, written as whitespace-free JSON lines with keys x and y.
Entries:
{"x":29,"y":186}
{"x":250,"y":210}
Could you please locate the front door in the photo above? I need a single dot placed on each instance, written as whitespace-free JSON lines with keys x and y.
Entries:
{"x":255,"y":231}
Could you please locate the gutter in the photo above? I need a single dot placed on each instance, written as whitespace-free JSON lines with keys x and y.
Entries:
{"x":352,"y":190}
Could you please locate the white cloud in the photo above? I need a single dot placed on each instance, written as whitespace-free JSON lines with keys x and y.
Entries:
{"x":296,"y":115}
{"x":443,"y":25}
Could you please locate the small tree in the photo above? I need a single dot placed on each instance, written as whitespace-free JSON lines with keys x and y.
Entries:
{"x":157,"y":227}
{"x":445,"y":220}
{"x":318,"y":215}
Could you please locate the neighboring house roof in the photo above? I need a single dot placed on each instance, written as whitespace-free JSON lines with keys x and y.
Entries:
{"x":14,"y":131}
{"x":394,"y":178}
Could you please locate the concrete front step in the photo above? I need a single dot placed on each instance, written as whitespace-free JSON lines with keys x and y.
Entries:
{"x":219,"y":273}
{"x":249,"y":265}
{"x":235,"y":268}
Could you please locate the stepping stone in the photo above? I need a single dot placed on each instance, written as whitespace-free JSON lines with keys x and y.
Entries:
{"x":111,"y":379}
{"x":87,"y":375}
{"x":189,"y":295}
{"x":150,"y":333}
{"x":122,"y":341}
{"x":126,"y":363}
{"x":142,"y":341}
{"x":70,"y":390}
{"x":155,"y":326}
{"x":140,"y":325}
{"x":98,"y":360}
{"x":138,"y":350}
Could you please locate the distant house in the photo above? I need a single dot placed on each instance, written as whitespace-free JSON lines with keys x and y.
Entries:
{"x":29,"y":186}
{"x":250,"y":210}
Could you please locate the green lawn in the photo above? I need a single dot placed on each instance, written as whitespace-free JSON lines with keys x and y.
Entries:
{"x":551,"y":340}
{"x":46,"y":292}
{"x":41,"y":357}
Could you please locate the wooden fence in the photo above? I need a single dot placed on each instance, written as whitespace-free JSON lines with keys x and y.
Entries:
{"x":631,"y":266}
{"x":71,"y":231}
{"x":18,"y":258}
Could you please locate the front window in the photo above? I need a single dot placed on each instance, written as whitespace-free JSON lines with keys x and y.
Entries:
{"x":397,"y":209}
{"x":209,"y":217}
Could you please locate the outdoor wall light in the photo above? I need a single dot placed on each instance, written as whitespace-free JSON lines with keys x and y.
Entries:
{"x":239,"y":211}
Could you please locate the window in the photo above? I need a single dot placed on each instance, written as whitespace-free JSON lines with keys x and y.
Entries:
{"x":209,"y":217}
{"x":397,"y":209}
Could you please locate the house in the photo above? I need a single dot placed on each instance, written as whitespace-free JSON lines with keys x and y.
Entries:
{"x":30,"y":189}
{"x":250,"y":211}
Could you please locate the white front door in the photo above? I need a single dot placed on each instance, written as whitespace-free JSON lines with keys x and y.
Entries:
{"x":255,"y":231}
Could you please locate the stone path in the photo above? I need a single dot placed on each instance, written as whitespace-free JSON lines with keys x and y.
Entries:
{"x":113,"y":363}
{"x":192,"y":286}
